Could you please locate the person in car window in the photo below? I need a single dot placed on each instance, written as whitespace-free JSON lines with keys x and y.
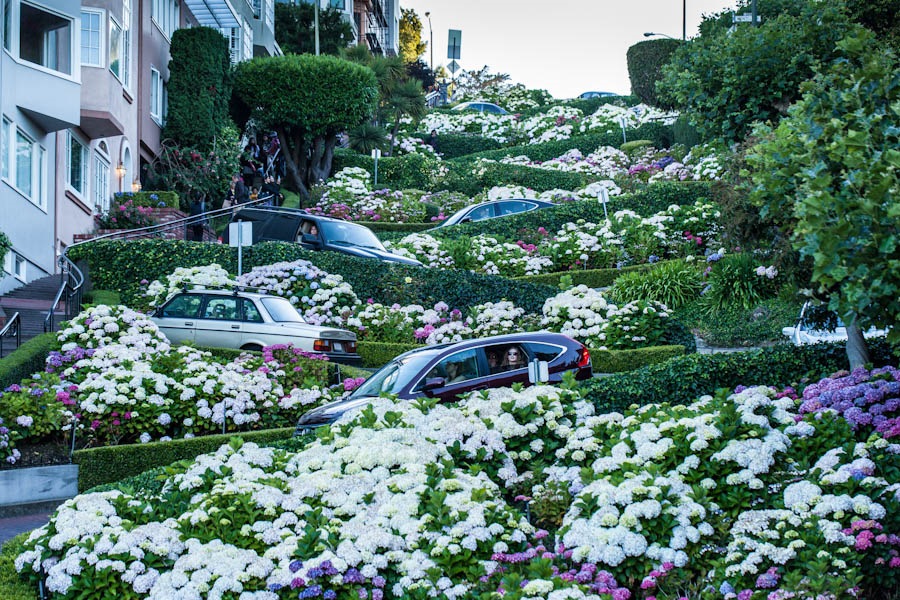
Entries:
{"x":493,"y":358}
{"x":455,"y":372}
{"x":514,"y":358}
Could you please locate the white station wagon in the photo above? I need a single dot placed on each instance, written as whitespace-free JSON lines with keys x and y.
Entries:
{"x":248,"y":321}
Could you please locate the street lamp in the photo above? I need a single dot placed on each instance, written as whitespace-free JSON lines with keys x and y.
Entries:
{"x":430,"y":38}
{"x":652,"y":33}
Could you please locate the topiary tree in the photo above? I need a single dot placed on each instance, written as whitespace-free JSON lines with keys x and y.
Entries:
{"x":645,"y":62}
{"x":727,"y":81}
{"x":832,"y":170}
{"x":308,"y":100}
{"x":199,"y":87}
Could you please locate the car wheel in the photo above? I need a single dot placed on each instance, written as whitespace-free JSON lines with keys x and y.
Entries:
{"x":253,"y":347}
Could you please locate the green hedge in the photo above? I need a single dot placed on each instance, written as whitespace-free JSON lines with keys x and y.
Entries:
{"x":454,"y":145}
{"x":11,"y":587}
{"x":27,"y":359}
{"x":377,"y":354}
{"x":466,"y":178}
{"x":401,"y":228}
{"x":646,"y":202}
{"x":593,"y":278}
{"x":660,"y":134}
{"x":97,"y":466}
{"x":619,"y":361}
{"x":683,"y":379}
{"x":645,"y":62}
{"x":121,"y":265}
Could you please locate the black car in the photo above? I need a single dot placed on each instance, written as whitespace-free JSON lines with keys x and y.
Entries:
{"x":315,"y":232}
{"x":494,"y":208}
{"x":448,"y":370}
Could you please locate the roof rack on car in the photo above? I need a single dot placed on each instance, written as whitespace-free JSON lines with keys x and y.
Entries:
{"x":186,"y":287}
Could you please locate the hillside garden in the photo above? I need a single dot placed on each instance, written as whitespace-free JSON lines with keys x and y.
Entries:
{"x":769,"y":474}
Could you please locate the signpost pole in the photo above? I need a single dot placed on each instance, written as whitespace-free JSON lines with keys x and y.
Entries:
{"x":240,"y":248}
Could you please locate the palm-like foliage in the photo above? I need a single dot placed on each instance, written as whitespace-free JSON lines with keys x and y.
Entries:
{"x":366,"y":137}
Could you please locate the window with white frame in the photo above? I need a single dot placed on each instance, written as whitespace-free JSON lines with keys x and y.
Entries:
{"x":234,"y":43}
{"x":257,"y":6}
{"x":166,"y":15}
{"x":269,"y":11}
{"x":77,"y":172}
{"x":91,"y":38}
{"x":24,"y":164}
{"x":126,"y":43}
{"x":50,"y":38}
{"x":7,"y":24}
{"x":115,"y":48}
{"x":157,"y":94}
{"x":101,"y":184}
{"x":5,"y":143}
{"x":15,"y":265}
{"x":247,"y":42}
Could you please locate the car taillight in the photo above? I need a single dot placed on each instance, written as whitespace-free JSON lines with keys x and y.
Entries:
{"x":349,"y":346}
{"x":322,"y":345}
{"x":585,"y":358}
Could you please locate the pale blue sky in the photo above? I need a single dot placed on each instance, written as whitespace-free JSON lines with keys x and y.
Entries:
{"x":564,"y":46}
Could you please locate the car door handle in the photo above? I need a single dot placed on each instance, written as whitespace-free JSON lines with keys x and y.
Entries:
{"x":189,"y":324}
{"x":235,"y":326}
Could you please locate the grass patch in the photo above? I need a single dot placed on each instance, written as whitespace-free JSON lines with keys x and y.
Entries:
{"x":11,"y":586}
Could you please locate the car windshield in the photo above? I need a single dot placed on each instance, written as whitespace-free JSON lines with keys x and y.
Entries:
{"x":282,"y":311}
{"x":348,"y":234}
{"x":392,"y":377}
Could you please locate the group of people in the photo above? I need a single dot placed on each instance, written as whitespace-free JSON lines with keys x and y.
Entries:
{"x":261,"y":159}
{"x":499,"y":359}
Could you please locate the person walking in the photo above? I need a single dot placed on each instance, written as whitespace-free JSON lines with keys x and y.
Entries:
{"x":433,"y":141}
{"x":198,"y":224}
{"x":241,"y":192}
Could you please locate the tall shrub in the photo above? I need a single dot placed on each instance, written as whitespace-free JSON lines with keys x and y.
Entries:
{"x":645,"y":63}
{"x":199,"y":87}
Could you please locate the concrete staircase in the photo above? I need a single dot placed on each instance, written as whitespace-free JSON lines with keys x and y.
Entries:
{"x":32,"y":301}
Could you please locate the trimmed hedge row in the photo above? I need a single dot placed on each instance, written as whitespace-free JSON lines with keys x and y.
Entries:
{"x":469,"y":179}
{"x":376,"y":354}
{"x":646,"y":202}
{"x":619,"y":361}
{"x":593,"y":278}
{"x":683,"y":379}
{"x":454,"y":145}
{"x":97,"y":466}
{"x":392,"y":228}
{"x":27,"y":359}
{"x":121,"y":265}
{"x":659,"y":134}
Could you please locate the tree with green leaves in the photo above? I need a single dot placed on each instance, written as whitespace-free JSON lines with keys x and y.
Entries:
{"x":399,"y":95}
{"x":308,"y":100}
{"x":411,"y":45}
{"x":295,"y":29}
{"x":645,"y":62}
{"x":830,"y":173}
{"x":727,"y":81}
{"x":199,"y":87}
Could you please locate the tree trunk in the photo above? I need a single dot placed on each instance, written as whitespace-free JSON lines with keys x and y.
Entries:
{"x":294,"y":152}
{"x":857,"y":351}
{"x":322,"y":157}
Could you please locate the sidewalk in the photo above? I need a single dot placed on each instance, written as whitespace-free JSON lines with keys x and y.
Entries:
{"x":10,"y":527}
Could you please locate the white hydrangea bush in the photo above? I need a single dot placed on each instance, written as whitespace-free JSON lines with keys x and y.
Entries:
{"x":212,"y":276}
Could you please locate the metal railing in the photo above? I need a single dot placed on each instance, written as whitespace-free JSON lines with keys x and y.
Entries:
{"x":70,"y":292}
{"x":71,"y":289}
{"x":13,"y":328}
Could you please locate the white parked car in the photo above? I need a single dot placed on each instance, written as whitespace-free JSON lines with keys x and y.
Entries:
{"x":248,"y":321}
{"x":803,"y":333}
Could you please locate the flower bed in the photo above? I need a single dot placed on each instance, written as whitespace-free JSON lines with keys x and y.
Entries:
{"x":732,"y":496}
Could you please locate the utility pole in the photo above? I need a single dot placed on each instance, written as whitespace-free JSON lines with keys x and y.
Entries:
{"x":316,"y":19}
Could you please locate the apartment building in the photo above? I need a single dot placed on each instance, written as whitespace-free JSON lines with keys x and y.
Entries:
{"x":375,"y":23}
{"x":40,"y":81}
{"x":83,"y":99}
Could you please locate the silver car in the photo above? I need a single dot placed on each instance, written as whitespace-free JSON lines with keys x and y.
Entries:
{"x":248,"y":321}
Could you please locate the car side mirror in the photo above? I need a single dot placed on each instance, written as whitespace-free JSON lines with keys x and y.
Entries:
{"x":310,"y":240}
{"x":466,"y":220}
{"x":433,"y":383}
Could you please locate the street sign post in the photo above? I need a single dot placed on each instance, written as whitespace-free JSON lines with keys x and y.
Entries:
{"x":454,"y":41}
{"x":240,"y":234}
